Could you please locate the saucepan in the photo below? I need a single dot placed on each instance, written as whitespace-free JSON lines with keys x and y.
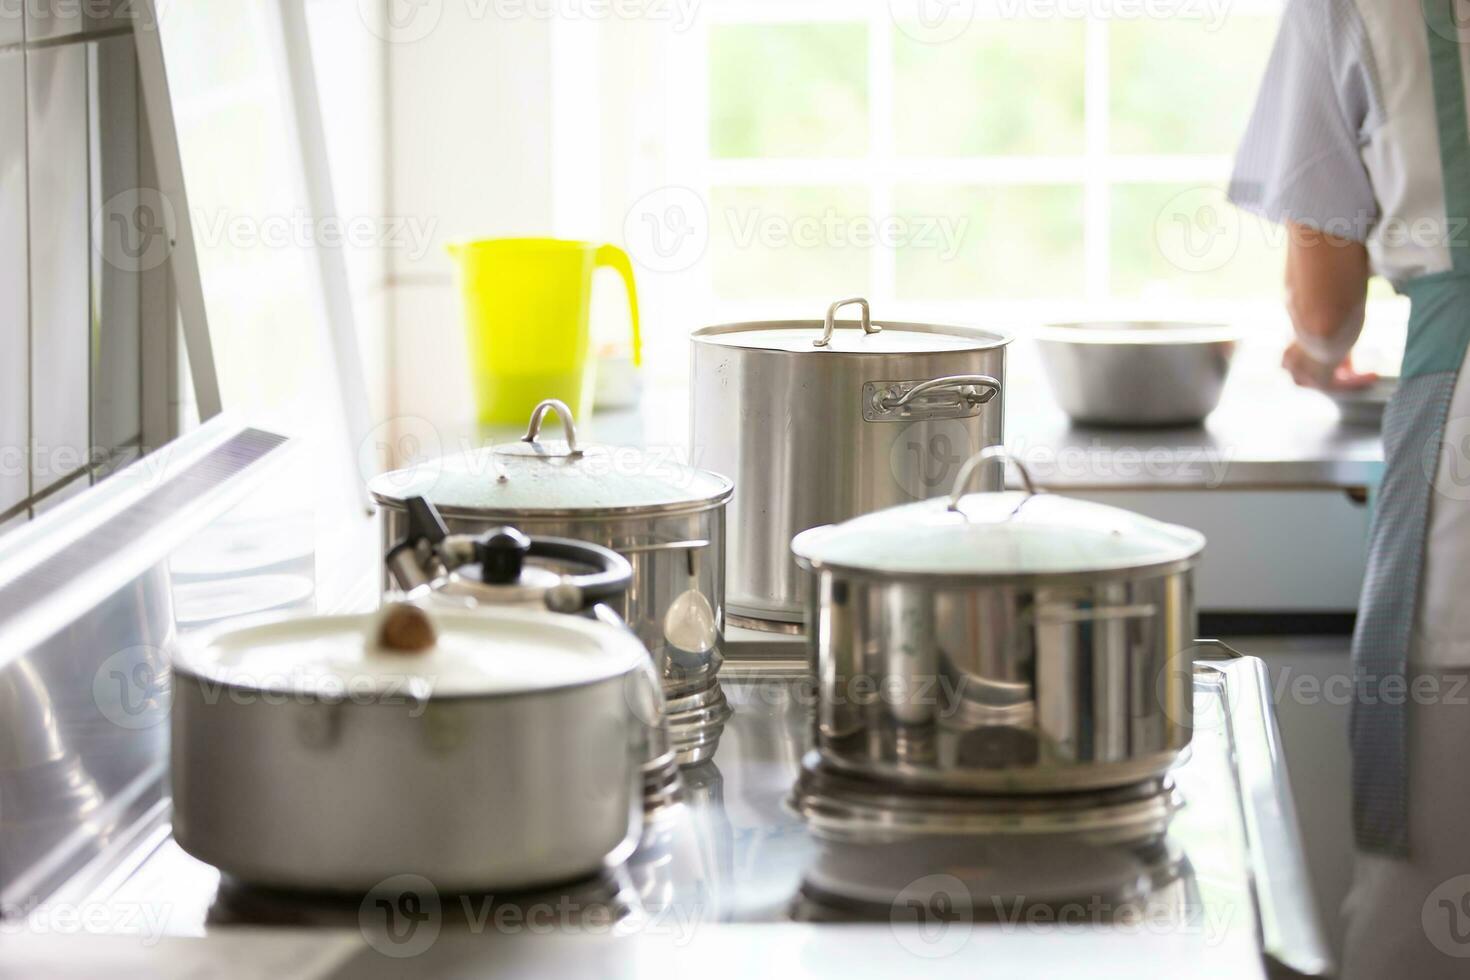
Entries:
{"x":1001,"y":642}
{"x":481,"y":750}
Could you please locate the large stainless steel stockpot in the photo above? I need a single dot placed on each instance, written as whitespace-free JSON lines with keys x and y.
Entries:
{"x":819,"y":421}
{"x":480,"y":750}
{"x":666,"y":518}
{"x":1004,"y":642}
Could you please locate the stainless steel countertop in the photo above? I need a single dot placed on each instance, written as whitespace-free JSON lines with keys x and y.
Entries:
{"x":716,"y":883}
{"x":1266,"y":434}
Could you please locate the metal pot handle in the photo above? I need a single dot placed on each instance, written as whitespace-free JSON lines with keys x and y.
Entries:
{"x":991,"y":387}
{"x":868,"y":325}
{"x":967,"y":472}
{"x":569,"y":427}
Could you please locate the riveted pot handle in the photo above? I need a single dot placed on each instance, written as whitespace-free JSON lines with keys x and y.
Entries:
{"x":569,"y":427}
{"x":967,"y":472}
{"x":868,"y":325}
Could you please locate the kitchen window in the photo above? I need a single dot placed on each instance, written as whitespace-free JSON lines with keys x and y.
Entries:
{"x":1008,"y":161}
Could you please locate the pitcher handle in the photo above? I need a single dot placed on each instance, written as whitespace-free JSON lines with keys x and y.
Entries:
{"x":613,"y":257}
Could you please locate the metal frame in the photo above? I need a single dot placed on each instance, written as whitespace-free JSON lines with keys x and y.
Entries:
{"x":306,"y":139}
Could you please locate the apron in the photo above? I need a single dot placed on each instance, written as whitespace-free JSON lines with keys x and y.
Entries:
{"x":1413,"y":427}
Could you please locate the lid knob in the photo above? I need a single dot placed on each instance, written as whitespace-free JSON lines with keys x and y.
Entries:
{"x":404,"y":628}
{"x":501,"y":554}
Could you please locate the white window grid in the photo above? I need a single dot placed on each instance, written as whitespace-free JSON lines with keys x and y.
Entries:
{"x":1095,"y":170}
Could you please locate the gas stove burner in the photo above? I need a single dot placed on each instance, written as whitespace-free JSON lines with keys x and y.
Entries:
{"x":696,"y":722}
{"x":843,"y":807}
{"x":964,"y":879}
{"x":601,"y":901}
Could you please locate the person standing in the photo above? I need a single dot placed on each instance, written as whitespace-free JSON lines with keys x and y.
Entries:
{"x":1360,"y":145}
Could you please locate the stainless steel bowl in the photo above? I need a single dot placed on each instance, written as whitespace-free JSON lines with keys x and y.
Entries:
{"x":1144,"y":373}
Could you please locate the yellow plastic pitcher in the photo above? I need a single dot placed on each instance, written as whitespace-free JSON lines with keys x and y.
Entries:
{"x":526,"y":303}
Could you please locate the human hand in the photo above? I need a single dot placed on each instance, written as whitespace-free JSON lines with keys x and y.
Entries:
{"x":1309,"y":372}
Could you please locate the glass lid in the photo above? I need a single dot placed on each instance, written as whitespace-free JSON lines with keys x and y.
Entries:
{"x":997,"y":535}
{"x":553,"y":477}
{"x":407,"y":652}
{"x":843,"y":337}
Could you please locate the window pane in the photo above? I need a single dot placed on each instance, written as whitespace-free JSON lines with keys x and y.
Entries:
{"x":786,"y":242}
{"x":1001,"y":87}
{"x":788,"y":90}
{"x":1185,"y":86}
{"x":1181,"y":241}
{"x":992,"y":242}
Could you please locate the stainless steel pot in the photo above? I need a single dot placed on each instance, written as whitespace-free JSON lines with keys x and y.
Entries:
{"x":482,"y":751}
{"x":666,"y":518}
{"x":1002,"y":642}
{"x":505,"y":568}
{"x":818,"y":423}
{"x":1137,"y":373}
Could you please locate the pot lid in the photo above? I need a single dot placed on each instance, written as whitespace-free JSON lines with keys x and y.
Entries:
{"x":504,"y":651}
{"x":997,"y":535}
{"x":553,"y":477}
{"x":841,"y":337}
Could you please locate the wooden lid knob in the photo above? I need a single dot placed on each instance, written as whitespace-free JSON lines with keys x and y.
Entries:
{"x":405,"y":628}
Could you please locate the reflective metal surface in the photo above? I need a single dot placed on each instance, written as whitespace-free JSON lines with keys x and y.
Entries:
{"x":86,"y":614}
{"x":1003,"y":688}
{"x":1222,"y":893}
{"x":788,"y":426}
{"x":671,"y":555}
{"x":1137,"y":373}
{"x":299,"y":792}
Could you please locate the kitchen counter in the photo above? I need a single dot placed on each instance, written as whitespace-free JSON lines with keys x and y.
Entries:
{"x":724,"y":879}
{"x":1266,"y":434}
